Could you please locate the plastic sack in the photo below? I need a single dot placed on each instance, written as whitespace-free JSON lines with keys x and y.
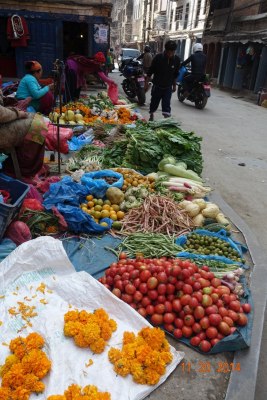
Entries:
{"x":80,"y":222}
{"x":18,"y":232}
{"x":34,"y":194}
{"x":113,"y":92}
{"x":31,"y":204}
{"x":222,"y":234}
{"x":63,"y":192}
{"x":44,"y":185}
{"x":65,"y":134}
{"x":182,"y":72}
{"x":97,"y":186}
{"x":77,"y":142}
{"x":6,"y":247}
{"x":3,"y":157}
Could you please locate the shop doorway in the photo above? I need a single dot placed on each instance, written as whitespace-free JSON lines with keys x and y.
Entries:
{"x":75,"y":38}
{"x":7,"y":53}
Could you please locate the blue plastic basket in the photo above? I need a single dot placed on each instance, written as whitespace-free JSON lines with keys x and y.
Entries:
{"x":18,"y":191}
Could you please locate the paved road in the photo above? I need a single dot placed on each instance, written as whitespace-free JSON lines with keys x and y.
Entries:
{"x":235,"y":164}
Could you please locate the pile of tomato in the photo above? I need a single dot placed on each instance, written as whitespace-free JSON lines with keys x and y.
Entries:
{"x":176,"y":294}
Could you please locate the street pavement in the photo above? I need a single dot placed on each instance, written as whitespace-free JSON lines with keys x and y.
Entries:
{"x":235,"y":165}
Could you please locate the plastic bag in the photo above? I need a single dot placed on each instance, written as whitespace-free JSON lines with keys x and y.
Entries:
{"x":182,"y":72}
{"x":3,"y":157}
{"x":65,"y":134}
{"x":77,"y":142}
{"x":44,"y":185}
{"x":80,"y":222}
{"x":18,"y":232}
{"x":113,"y":93}
{"x":65,"y":191}
{"x":6,"y":247}
{"x":34,"y":194}
{"x":97,"y":186}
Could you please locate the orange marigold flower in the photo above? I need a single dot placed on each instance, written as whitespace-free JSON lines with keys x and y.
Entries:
{"x":18,"y":347}
{"x":151,"y":377}
{"x":72,"y":392}
{"x":9,"y":361}
{"x":15,"y":377}
{"x":34,"y":341}
{"x":80,"y":341}
{"x":91,"y":333}
{"x":20,"y":394}
{"x":57,"y":397}
{"x":36,"y":362}
{"x":113,"y":325}
{"x":128,"y":337}
{"x":114,"y":355}
{"x":122,"y":367}
{"x":5,"y":393}
{"x":106,"y":331}
{"x":71,"y":316}
{"x":98,"y":346}
{"x":72,"y":328}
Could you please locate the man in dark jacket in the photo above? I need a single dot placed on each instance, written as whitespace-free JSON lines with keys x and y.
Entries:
{"x":164,"y":68}
{"x":198,"y":62}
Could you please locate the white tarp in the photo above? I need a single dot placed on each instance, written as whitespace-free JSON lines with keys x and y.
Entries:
{"x":44,"y":260}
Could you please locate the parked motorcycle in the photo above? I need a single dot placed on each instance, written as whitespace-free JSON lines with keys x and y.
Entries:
{"x":134,"y":82}
{"x":200,"y":90}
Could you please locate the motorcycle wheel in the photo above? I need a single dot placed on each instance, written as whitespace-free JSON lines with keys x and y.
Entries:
{"x":141,"y":96}
{"x":180,"y":95}
{"x":201,"y":103}
{"x":128,"y":89}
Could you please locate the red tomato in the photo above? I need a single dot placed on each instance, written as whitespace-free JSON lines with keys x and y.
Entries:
{"x":137,"y":296}
{"x":207,"y":300}
{"x":169,"y":327}
{"x":152,"y":283}
{"x":232,"y":329}
{"x":201,"y":335}
{"x":193,"y":302}
{"x":127,"y":298}
{"x":216,"y":282}
{"x":150,"y":309}
{"x":204,"y":346}
{"x":226,"y":298}
{"x":188,"y":310}
{"x":224,"y":328}
{"x":196,"y":327}
{"x":223,"y":311}
{"x":170,"y":288}
{"x":159,"y":309}
{"x":134,"y":274}
{"x":185,"y":274}
{"x":197,"y":286}
{"x":143,"y":288}
{"x":229,"y":321}
{"x":199,"y":312}
{"x":195,"y":341}
{"x":116,"y":292}
{"x":246,"y":307}
{"x":133,"y":305}
{"x":156,"y":319}
{"x":176,"y":270}
{"x":204,"y":282}
{"x":145,"y":301}
{"x":168,"y":306}
{"x":162,"y":277}
{"x":190,"y":281}
{"x":130,"y":289}
{"x":223,"y":290}
{"x":234,"y":305}
{"x":181,"y":314}
{"x":152,"y":294}
{"x":213,"y":342}
{"x":179,"y":285}
{"x":242,"y":319}
{"x":233,"y":315}
{"x":178,"y":333}
{"x":113,"y":271}
{"x":205,"y":268}
{"x":125,"y":276}
{"x":145,"y":275}
{"x":189,"y":320}
{"x":142,"y":311}
{"x":172,"y":280}
{"x":137,"y":282}
{"x":215,"y":319}
{"x":161,"y":299}
{"x":207,"y":290}
{"x":187,"y":331}
{"x":204,"y":323}
{"x":185,"y":299}
{"x":162,"y":288}
{"x":109,"y":280}
{"x":122,"y":256}
{"x":187,"y":289}
{"x":176,"y":305}
{"x":215,"y":297}
{"x":168,"y":318}
{"x":211,"y":310}
{"x":211,"y":332}
{"x":117,"y":277}
{"x":233,"y":297}
{"x":198,"y":296}
{"x":179,"y":323}
{"x":170,"y":297}
{"x":130,"y":268}
{"x":119,"y":285}
{"x":219,"y":303}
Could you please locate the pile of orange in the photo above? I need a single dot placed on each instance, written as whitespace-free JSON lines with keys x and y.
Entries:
{"x":132,"y":178}
{"x":99,"y":209}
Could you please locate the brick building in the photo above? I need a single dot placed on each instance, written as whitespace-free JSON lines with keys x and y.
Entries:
{"x":49,"y":30}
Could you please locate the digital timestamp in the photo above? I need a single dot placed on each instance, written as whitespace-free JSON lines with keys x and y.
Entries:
{"x":205,"y":367}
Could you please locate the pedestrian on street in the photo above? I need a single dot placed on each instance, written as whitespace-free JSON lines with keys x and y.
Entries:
{"x":164,"y":68}
{"x":146,"y":58}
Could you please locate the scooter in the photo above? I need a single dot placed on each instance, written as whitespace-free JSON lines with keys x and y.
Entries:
{"x":134,"y":82}
{"x":200,"y":91}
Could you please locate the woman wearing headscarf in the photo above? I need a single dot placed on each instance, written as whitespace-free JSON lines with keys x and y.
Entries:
{"x":42,"y":97}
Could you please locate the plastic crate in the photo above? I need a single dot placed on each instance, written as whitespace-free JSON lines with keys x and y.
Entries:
{"x":18,"y":191}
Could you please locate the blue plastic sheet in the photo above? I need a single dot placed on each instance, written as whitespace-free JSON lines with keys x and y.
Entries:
{"x":91,"y":255}
{"x":6,"y":247}
{"x":97,"y":186}
{"x":182,"y":72}
{"x":76,"y":143}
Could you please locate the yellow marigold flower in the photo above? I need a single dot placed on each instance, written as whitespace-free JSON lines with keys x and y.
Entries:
{"x":166,"y":357}
{"x":90,"y":390}
{"x":80,"y":341}
{"x":71,"y":316}
{"x":154,"y":337}
{"x":128,"y":337}
{"x":91,"y":333}
{"x":5,"y":393}
{"x":18,"y":347}
{"x":72,"y":328}
{"x":9,"y":361}
{"x":122,"y":367}
{"x":137,"y":372}
{"x":151,"y":377}
{"x":142,"y":352}
{"x":36,"y":362}
{"x":106,"y":331}
{"x":165,"y":346}
{"x":114,"y":355}
{"x":20,"y":394}
{"x":152,"y":358}
{"x":160,"y":368}
{"x":34,"y":341}
{"x":84,"y":316}
{"x":129,"y":351}
{"x":98,"y":346}
{"x":56,"y":397}
{"x":113,"y":325}
{"x":33,"y":384}
{"x":14,"y":378}
{"x":72,"y":392}
{"x":100,"y":313}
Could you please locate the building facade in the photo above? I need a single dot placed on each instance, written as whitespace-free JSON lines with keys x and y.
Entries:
{"x":235,"y":41}
{"x":50,"y":30}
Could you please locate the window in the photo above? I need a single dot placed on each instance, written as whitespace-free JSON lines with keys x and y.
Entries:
{"x":263,"y":8}
{"x":172,"y":13}
{"x":197,"y":14}
{"x":178,"y":16}
{"x":186,"y":16}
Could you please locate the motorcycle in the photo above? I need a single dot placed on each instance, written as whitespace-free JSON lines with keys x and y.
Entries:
{"x":134,"y":82}
{"x":199,"y":93}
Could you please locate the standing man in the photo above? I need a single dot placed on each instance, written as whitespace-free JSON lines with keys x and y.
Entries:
{"x":164,"y":68}
{"x":147,"y":59}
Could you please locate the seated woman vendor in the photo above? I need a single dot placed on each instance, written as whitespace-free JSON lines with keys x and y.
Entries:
{"x":25,"y":132}
{"x":42,"y":97}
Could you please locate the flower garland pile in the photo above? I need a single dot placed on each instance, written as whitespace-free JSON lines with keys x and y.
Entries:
{"x":91,"y":330}
{"x":23,"y":370}
{"x":74,"y":392}
{"x":144,"y":356}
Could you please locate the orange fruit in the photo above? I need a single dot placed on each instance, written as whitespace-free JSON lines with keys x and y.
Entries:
{"x":115,"y":207}
{"x":98,"y":208}
{"x":89,"y":197}
{"x":120,"y":214}
{"x":135,"y":183}
{"x":107,"y":202}
{"x":113,"y":216}
{"x":106,"y":207}
{"x":97,"y":214}
{"x":90,"y":204}
{"x":105,"y":214}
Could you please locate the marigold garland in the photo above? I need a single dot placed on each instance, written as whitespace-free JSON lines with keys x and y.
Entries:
{"x":23,"y":369}
{"x":144,"y":356}
{"x":91,"y":330}
{"x":75,"y":392}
